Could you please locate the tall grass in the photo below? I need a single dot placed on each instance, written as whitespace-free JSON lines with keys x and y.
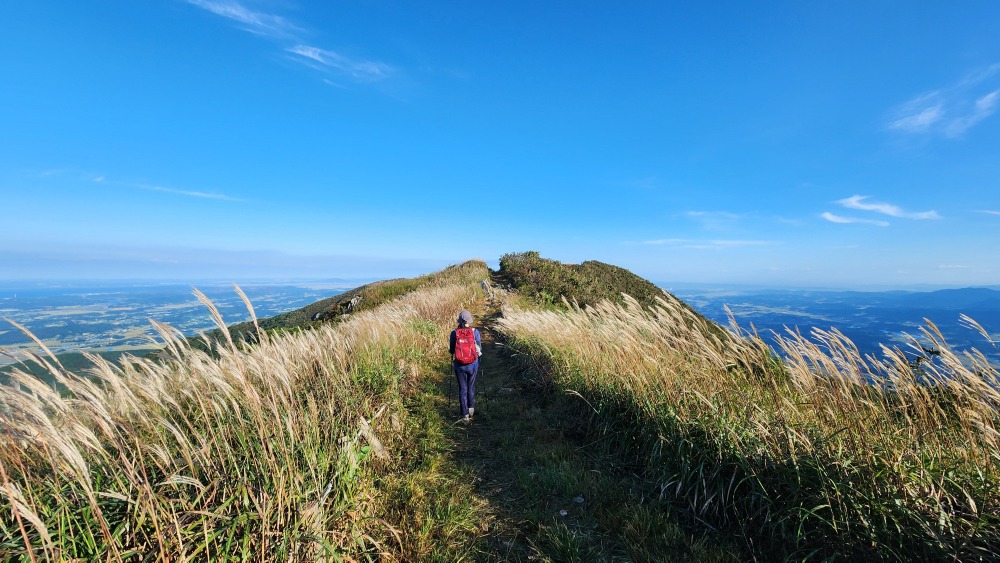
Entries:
{"x":822,"y":453}
{"x":263,"y":452}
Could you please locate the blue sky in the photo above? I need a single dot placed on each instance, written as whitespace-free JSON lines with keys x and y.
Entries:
{"x":835,"y":144}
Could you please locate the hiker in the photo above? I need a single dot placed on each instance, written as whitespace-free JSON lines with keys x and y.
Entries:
{"x":465,"y":347}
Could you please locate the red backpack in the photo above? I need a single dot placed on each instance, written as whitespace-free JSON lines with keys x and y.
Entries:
{"x":465,"y":345}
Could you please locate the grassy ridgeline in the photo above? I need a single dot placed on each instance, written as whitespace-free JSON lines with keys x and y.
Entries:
{"x":321,"y":442}
{"x":554,"y":285}
{"x":547,"y":281}
{"x":296,"y":448}
{"x":805,"y":458}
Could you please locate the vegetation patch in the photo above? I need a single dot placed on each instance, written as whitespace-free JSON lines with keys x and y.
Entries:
{"x":298,"y":447}
{"x":609,"y":428}
{"x":552,"y":284}
{"x":548,"y":281}
{"x":822,"y":455}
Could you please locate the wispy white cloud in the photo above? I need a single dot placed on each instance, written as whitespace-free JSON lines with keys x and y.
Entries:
{"x":112,"y":183}
{"x":162,"y":189}
{"x":707,"y":244}
{"x":983,"y":108}
{"x":358,"y":69}
{"x":848,"y":220}
{"x":989,"y":212}
{"x":917,"y":115}
{"x":953,"y":110}
{"x":187,"y":193}
{"x":980,"y":75}
{"x":859,"y":202}
{"x":268,"y":25}
{"x":290,"y":37}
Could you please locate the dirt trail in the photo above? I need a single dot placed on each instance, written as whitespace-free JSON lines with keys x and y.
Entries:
{"x":525,"y":451}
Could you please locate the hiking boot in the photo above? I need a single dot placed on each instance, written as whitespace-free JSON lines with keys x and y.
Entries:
{"x":465,"y":420}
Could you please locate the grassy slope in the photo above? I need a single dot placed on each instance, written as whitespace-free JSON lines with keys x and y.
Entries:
{"x":258,"y":452}
{"x":74,"y":361}
{"x":801,"y":459}
{"x":338,"y":308}
{"x":552,"y":490}
{"x":316,"y":314}
{"x":425,"y":501}
{"x":548,"y":282}
{"x":651,"y":459}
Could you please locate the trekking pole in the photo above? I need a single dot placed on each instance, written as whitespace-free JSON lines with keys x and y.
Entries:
{"x":486,"y":389}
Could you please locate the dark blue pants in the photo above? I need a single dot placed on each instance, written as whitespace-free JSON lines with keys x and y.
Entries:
{"x":466,"y":376}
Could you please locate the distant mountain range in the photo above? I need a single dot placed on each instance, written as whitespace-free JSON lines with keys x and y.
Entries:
{"x":869,"y":318}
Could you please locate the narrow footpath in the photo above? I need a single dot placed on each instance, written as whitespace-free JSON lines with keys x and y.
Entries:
{"x":552,"y":495}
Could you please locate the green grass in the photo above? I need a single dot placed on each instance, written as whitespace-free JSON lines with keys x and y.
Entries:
{"x":555,"y":285}
{"x":626,"y":430}
{"x":548,"y":281}
{"x":337,"y":308}
{"x":556,"y":491}
{"x":283,"y":450}
{"x":75,"y":362}
{"x":801,"y":459}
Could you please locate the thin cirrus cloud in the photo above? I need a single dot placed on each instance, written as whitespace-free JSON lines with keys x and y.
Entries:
{"x":118,"y":184}
{"x":187,"y":193}
{"x":166,"y":190}
{"x":281,"y":30}
{"x":953,"y":110}
{"x":849,"y":220}
{"x":358,"y":69}
{"x":260,"y":23}
{"x":860,"y":203}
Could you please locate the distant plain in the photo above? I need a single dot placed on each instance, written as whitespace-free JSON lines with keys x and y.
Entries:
{"x":115,"y":318}
{"x":87,"y":317}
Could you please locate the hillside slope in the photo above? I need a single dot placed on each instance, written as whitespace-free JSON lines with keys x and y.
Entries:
{"x":820,"y":454}
{"x":340,"y":307}
{"x":305,"y":445}
{"x":624,"y":429}
{"x":543,"y":280}
{"x":547,"y":282}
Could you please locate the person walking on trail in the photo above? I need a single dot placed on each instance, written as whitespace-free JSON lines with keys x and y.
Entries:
{"x":465,"y":347}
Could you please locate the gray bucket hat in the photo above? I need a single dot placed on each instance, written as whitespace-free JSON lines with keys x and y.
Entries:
{"x":465,"y":317}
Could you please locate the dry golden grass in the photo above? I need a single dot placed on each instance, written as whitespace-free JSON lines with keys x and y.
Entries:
{"x":263,"y":452}
{"x":300,"y":447}
{"x":822,"y":452}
